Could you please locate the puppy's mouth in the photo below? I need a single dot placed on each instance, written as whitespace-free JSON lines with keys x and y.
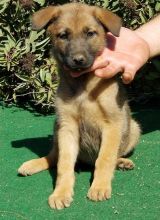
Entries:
{"x":78,"y":71}
{"x":77,"y":74}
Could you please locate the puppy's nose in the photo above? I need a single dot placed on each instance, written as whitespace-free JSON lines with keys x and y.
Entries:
{"x":79,"y":59}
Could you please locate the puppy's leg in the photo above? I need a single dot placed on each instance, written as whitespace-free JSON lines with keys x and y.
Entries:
{"x":68,"y":142}
{"x":37,"y":165}
{"x":134,"y":136}
{"x":124,"y":163}
{"x":105,"y":163}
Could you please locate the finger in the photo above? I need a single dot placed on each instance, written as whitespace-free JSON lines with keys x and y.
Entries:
{"x":108,"y":71}
{"x":99,"y":63}
{"x":127,"y":77}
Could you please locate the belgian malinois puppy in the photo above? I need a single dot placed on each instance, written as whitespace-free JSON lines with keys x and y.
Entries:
{"x":93,"y":118}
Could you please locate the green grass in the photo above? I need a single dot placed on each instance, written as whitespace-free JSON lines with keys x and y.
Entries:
{"x":26,"y":135}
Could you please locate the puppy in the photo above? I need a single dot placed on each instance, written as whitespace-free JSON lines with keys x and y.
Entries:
{"x":93,"y":118}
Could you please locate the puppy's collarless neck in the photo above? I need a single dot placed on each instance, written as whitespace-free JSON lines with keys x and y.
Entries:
{"x":73,"y":84}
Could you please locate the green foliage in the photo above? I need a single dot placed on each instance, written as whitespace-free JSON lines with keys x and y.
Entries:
{"x":27,"y":71}
{"x":133,"y":12}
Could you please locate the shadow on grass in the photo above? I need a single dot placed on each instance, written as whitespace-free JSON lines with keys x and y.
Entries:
{"x":41,"y":146}
{"x":148,"y":118}
{"x":30,"y":107}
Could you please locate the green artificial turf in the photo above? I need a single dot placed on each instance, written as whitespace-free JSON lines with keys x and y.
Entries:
{"x":25,"y":135}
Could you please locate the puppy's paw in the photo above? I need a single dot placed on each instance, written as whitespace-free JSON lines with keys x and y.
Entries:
{"x":30,"y":167}
{"x":125,"y":164}
{"x":99,"y":193}
{"x":60,"y":200}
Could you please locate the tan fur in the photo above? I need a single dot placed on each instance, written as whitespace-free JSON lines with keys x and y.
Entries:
{"x":94,"y":123}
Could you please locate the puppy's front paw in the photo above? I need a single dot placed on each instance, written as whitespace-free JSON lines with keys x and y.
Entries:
{"x":97,"y":193}
{"x":60,"y":200}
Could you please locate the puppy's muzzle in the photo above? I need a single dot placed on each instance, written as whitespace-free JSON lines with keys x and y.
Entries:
{"x":79,"y":60}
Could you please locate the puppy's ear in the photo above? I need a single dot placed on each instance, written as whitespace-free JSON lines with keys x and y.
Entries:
{"x":41,"y":18}
{"x":109,"y":20}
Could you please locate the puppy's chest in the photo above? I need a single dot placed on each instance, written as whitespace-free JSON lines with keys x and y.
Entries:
{"x":89,"y":119}
{"x":87,"y":108}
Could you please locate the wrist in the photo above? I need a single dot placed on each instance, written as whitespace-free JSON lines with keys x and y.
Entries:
{"x":150,"y":33}
{"x":146,"y":40}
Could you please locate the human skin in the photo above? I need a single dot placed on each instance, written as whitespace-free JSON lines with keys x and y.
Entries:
{"x":150,"y":32}
{"x":128,"y":52}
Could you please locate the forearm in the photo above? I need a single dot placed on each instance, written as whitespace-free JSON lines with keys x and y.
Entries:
{"x":150,"y":32}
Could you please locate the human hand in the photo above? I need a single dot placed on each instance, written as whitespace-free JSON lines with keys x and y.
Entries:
{"x":126,"y":54}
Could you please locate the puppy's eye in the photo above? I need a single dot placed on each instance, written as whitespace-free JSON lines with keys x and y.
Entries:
{"x":91,"y":33}
{"x":63,"y":35}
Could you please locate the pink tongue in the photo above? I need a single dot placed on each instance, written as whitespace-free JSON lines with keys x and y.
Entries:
{"x":75,"y":74}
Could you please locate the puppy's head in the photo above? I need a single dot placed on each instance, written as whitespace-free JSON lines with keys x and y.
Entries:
{"x":77,"y":32}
